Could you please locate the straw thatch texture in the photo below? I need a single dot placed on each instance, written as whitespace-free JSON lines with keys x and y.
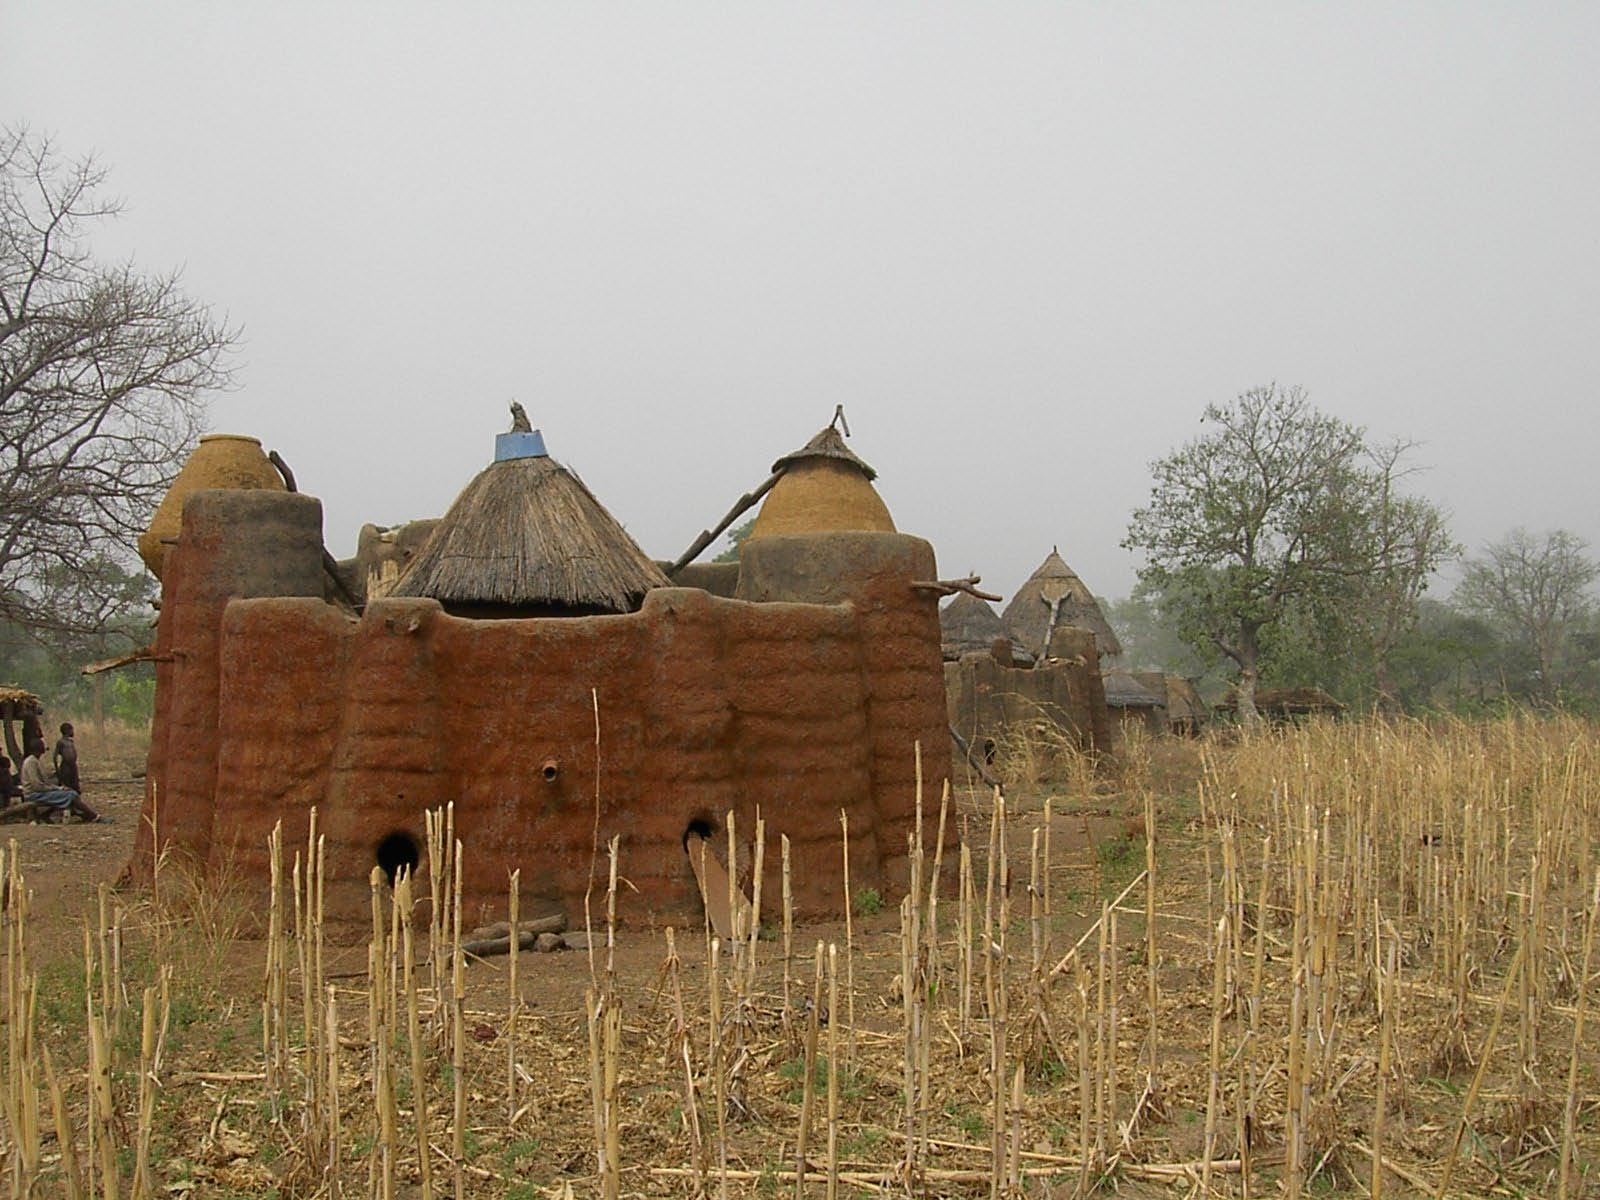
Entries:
{"x":968,"y":625}
{"x":1124,"y":691}
{"x":21,"y":701}
{"x":822,"y":486}
{"x":828,"y":444}
{"x":820,"y":495}
{"x":1028,"y":614}
{"x":527,"y":534}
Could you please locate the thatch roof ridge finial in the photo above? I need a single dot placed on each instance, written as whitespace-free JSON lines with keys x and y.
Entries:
{"x":827,"y":444}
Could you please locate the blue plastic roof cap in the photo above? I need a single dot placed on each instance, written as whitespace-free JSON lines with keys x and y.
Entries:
{"x":519,"y":445}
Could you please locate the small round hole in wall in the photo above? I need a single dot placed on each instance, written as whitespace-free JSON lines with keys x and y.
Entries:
{"x":550,"y":770}
{"x":398,"y":849}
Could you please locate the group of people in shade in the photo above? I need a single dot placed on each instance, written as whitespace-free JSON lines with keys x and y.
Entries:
{"x":50,"y":784}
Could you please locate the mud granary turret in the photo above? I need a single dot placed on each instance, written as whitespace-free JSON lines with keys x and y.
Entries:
{"x":802,"y":694}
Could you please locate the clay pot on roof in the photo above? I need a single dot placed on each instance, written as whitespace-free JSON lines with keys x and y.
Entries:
{"x":221,"y":460}
{"x":824,"y":487}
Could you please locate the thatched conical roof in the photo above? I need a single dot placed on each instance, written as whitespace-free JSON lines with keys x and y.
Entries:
{"x":1028,"y":614}
{"x":827,"y":444}
{"x":968,"y":624}
{"x":823,"y":487}
{"x":527,"y":534}
{"x":1183,"y":701}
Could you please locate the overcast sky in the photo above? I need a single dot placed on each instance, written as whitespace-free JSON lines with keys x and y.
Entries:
{"x":1023,"y":244}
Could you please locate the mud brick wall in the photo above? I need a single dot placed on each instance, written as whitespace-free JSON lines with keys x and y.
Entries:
{"x":902,"y":663}
{"x":805,"y":698}
{"x":232,"y":543}
{"x":987,"y":699}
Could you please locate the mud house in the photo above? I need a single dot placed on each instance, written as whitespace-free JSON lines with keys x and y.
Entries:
{"x":1185,"y":711}
{"x":530,"y":665}
{"x":1133,"y":705}
{"x":1035,"y":669}
{"x":1054,"y":596}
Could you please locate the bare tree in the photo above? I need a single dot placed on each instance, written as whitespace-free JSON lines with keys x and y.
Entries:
{"x":103,"y":376}
{"x":1410,"y":539}
{"x":1535,"y":588}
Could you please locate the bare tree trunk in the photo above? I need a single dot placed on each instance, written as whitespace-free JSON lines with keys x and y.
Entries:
{"x":1385,"y":701}
{"x":1249,"y":715}
{"x":7,"y":715}
{"x":1545,"y":643}
{"x":1248,"y":658}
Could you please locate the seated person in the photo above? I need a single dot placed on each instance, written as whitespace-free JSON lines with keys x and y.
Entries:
{"x":39,"y":785}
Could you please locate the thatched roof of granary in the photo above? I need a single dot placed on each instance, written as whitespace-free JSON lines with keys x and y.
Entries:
{"x":1028,"y":614}
{"x":968,"y":624}
{"x":1183,"y":701}
{"x":827,"y":444}
{"x":527,"y":534}
{"x":822,"y":486}
{"x":19,"y":701}
{"x":1124,"y":691}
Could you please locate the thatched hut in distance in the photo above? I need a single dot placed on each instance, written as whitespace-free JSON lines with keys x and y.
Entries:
{"x":1186,"y":712}
{"x":823,"y":487}
{"x":1133,"y":705}
{"x":968,"y":625}
{"x":1285,"y":705}
{"x":1054,"y":598}
{"x":526,"y":538}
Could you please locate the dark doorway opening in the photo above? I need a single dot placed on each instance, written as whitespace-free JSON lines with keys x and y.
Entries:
{"x":701,"y":827}
{"x":398,"y":850}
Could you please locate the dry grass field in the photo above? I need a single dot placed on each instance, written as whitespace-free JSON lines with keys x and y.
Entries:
{"x":1352,"y":959}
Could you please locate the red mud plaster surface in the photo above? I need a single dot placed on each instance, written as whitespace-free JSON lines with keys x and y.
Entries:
{"x":706,"y":705}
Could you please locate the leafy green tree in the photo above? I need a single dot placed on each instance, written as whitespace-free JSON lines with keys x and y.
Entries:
{"x":1447,"y":659}
{"x":48,"y":661}
{"x":1409,"y":541}
{"x":1538,"y":590}
{"x":736,"y":539}
{"x":1278,"y":511}
{"x":1147,"y":623}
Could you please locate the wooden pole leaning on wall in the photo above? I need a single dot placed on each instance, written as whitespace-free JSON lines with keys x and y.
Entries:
{"x":741,"y":506}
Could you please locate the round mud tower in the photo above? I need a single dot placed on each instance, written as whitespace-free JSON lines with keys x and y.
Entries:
{"x":222,"y":460}
{"x":821,"y":495}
